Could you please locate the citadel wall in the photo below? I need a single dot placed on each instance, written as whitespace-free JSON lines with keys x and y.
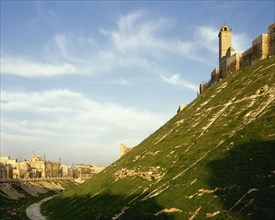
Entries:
{"x":262,"y":47}
{"x":271,"y":39}
{"x":215,"y":75}
{"x":246,"y":58}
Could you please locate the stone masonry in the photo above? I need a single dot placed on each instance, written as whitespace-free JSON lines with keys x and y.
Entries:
{"x":124,"y":150}
{"x":230,"y":60}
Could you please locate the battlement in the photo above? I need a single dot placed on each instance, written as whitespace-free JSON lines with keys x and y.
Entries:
{"x":262,"y":47}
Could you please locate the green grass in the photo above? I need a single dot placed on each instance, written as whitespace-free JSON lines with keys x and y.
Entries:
{"x":16,"y":209}
{"x":217,"y":156}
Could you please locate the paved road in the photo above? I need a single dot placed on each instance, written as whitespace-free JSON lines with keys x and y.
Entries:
{"x":33,"y":211}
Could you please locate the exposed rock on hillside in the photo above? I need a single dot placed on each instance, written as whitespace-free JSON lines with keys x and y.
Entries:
{"x":214,"y":159}
{"x":152,"y":174}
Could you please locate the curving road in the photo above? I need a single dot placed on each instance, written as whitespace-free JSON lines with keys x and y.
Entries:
{"x":33,"y":211}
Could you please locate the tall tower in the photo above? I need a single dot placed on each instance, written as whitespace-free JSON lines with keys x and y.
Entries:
{"x":224,"y":40}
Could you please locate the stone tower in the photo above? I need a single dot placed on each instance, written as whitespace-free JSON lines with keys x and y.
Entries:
{"x":224,"y":40}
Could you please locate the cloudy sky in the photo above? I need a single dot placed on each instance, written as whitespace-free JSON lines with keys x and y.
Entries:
{"x":80,"y":77}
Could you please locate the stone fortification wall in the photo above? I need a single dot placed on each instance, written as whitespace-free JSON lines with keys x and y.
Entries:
{"x":222,"y":68}
{"x":203,"y":87}
{"x":215,"y":75}
{"x":271,"y":39}
{"x":262,"y":47}
{"x":232,"y":63}
{"x":246,"y":58}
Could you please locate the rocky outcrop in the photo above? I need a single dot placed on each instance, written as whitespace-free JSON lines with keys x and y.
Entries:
{"x":152,"y":174}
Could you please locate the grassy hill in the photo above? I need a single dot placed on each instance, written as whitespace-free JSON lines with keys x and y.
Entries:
{"x":213,"y":160}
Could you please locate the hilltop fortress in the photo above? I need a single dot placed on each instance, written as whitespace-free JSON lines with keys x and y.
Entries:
{"x":230,"y":60}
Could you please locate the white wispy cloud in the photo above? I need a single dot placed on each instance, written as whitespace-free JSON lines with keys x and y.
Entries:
{"x":120,"y":82}
{"x":136,"y":34}
{"x":207,"y":37}
{"x":50,"y":17}
{"x":72,"y":119}
{"x":178,"y":81}
{"x":61,"y":42}
{"x":29,"y":68}
{"x":137,"y":44}
{"x":241,"y":42}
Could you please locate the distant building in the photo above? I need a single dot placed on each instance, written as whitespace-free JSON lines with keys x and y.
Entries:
{"x":5,"y":170}
{"x":36,"y":167}
{"x":53,"y":169}
{"x":9,"y":165}
{"x":66,"y":171}
{"x":8,"y":160}
{"x":24,"y":169}
{"x":2,"y":170}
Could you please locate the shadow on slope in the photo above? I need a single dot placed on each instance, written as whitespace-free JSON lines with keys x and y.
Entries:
{"x":246,"y":181}
{"x":102,"y":206}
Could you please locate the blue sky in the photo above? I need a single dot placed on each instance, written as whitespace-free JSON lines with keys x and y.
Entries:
{"x":80,"y":77}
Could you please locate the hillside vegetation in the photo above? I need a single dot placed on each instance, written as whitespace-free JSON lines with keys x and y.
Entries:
{"x":213,"y":160}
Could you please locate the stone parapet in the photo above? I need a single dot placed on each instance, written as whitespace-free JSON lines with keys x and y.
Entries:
{"x":260,"y":48}
{"x":230,"y":61}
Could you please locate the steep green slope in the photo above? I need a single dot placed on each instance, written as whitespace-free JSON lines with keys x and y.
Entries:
{"x":215,"y":159}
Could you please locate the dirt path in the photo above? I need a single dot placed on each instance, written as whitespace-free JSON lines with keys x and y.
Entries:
{"x":33,"y":211}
